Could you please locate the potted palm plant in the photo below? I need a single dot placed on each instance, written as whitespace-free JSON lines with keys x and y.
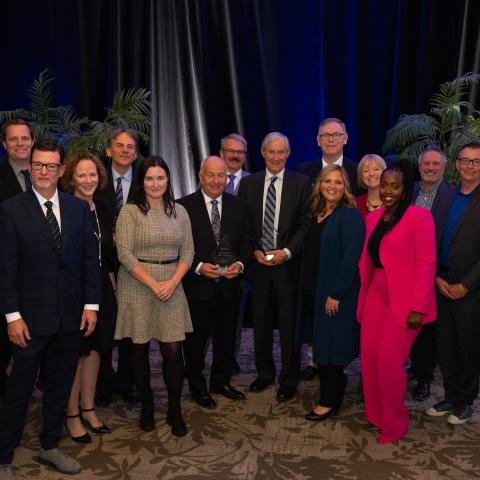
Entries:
{"x":450,"y":124}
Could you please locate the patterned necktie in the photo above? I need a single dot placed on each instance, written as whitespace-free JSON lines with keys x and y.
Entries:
{"x":26,"y":175}
{"x":119,"y":193}
{"x":268,"y":239}
{"x":53,"y":225}
{"x":215,"y":220}
{"x":231,"y":184}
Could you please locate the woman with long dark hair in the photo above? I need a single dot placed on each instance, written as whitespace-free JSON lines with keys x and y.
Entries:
{"x":155,"y":248}
{"x":397,"y":273}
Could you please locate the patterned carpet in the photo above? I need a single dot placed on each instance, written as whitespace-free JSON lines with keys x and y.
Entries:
{"x":263,"y":439}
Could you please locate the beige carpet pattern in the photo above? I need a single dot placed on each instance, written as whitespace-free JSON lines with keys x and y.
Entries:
{"x":262,"y":439}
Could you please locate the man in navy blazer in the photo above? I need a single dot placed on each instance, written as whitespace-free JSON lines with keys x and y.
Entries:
{"x":428,"y":194}
{"x":17,"y":140}
{"x":277,"y":201}
{"x":458,"y":285}
{"x":214,"y":296}
{"x":332,"y":136}
{"x":50,"y":291}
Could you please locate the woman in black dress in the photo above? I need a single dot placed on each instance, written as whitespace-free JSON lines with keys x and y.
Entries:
{"x":84,"y":173}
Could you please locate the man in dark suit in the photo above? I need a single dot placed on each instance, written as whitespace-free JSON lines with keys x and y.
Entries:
{"x":331,"y":138}
{"x":49,"y":288}
{"x":120,"y":189}
{"x":219,"y":223}
{"x":458,"y":284}
{"x":233,"y":149}
{"x":427,"y":193}
{"x":17,"y":140}
{"x":277,"y":201}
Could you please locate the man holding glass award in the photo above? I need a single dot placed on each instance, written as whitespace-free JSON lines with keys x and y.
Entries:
{"x":223,"y":248}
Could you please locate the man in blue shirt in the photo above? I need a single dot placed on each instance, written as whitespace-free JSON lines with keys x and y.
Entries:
{"x":458,"y":285}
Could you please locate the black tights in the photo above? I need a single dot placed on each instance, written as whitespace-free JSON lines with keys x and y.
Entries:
{"x":172,"y":368}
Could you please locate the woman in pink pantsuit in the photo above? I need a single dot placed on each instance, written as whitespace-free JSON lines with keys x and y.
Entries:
{"x":397,"y":273}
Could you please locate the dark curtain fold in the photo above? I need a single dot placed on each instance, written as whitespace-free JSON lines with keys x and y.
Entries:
{"x":250,"y":66}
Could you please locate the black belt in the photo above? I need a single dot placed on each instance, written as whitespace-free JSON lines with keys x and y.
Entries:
{"x":159,"y":262}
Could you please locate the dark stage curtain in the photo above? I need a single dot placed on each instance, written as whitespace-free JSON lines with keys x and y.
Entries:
{"x":250,"y":66}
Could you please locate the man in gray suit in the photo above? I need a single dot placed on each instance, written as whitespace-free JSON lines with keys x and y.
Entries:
{"x":233,"y":149}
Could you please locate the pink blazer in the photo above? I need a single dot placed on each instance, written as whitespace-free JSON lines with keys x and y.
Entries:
{"x":408,"y":256}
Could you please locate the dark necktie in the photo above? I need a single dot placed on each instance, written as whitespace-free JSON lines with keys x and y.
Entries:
{"x":215,"y":220}
{"x":26,"y":175}
{"x":231,"y":184}
{"x":119,"y":193}
{"x":53,"y":225}
{"x":268,"y":239}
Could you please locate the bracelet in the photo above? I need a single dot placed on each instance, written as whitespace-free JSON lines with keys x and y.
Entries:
{"x":462,"y":288}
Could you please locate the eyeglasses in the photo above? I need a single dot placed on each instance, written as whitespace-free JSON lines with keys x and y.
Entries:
{"x":51,"y":167}
{"x":329,"y":136}
{"x":236,"y":152}
{"x":464,"y":162}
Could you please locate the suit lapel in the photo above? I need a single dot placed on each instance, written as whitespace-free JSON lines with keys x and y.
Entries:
{"x":66,"y":219}
{"x":11,"y":178}
{"x":259,"y":200}
{"x":204,"y":218}
{"x":36,"y":212}
{"x":286,"y":195}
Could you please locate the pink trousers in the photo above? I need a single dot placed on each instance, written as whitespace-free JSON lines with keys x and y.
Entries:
{"x":385,"y":347}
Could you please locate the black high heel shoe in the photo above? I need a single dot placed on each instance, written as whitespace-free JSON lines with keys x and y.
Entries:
{"x":176,"y":422}
{"x":99,"y":430}
{"x":85,"y":438}
{"x":320,"y":417}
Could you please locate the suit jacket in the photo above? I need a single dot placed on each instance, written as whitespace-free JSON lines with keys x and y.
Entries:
{"x":464,"y":253}
{"x":312,"y":169}
{"x":108,"y":195}
{"x":9,"y":186}
{"x":244,"y":174}
{"x":442,"y":190}
{"x":408,"y":257}
{"x":293,"y":220}
{"x":234,"y":224}
{"x":48,"y":288}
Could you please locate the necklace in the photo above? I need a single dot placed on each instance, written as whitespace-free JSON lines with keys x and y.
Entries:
{"x":98,"y":235}
{"x":326,"y":211}
{"x":371,"y":207}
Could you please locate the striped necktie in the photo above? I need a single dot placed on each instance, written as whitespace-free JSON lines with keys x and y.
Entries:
{"x":268,"y":239}
{"x":215,"y":220}
{"x":119,"y":193}
{"x":53,"y":225}
{"x":231,"y":184}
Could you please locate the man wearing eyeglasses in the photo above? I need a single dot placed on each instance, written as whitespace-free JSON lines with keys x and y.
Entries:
{"x":331,"y":138}
{"x":17,"y":140}
{"x":458,"y":286}
{"x":49,"y":291}
{"x":233,"y":149}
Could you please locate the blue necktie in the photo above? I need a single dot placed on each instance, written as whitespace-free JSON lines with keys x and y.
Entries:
{"x":268,"y":239}
{"x":231,"y":184}
{"x":119,"y":193}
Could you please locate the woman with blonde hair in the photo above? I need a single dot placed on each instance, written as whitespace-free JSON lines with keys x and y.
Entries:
{"x":369,"y":170}
{"x":330,"y":285}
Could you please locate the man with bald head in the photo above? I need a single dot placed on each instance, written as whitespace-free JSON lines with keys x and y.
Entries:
{"x":219,"y":224}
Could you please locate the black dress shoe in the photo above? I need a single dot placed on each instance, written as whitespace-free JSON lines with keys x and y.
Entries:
{"x":85,"y":438}
{"x":103,"y":399}
{"x":204,"y":400}
{"x":228,"y":391}
{"x":99,"y":430}
{"x":175,"y":420}
{"x":286,"y":393}
{"x":422,"y":391}
{"x":259,"y":385}
{"x":320,"y":417}
{"x":309,"y":373}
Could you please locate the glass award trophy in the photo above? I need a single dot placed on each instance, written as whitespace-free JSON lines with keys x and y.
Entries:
{"x":223,"y":255}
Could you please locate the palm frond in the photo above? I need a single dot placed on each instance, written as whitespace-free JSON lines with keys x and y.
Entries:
{"x":15,"y":114}
{"x":41,"y":95}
